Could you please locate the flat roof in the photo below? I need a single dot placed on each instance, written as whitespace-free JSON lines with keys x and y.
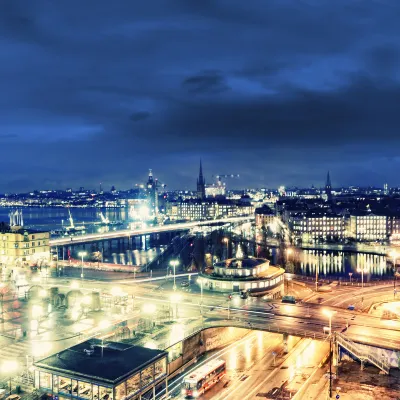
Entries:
{"x":85,"y":360}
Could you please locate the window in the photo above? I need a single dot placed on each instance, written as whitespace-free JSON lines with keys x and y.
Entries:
{"x":105,"y":393}
{"x":85,"y":390}
{"x":160,"y":368}
{"x":133,"y":385}
{"x":120,"y":391}
{"x":55,"y":383}
{"x":45,"y":380}
{"x":147,"y":376}
{"x":64,"y":385}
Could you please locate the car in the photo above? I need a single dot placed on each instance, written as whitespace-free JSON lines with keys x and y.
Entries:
{"x":13,"y":397}
{"x":185,"y":284}
{"x":351,"y":307}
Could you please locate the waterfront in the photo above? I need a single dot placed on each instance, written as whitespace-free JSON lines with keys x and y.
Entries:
{"x":54,"y":218}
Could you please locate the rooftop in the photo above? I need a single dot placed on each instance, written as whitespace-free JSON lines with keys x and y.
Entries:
{"x":117,"y":361}
{"x":241,"y":263}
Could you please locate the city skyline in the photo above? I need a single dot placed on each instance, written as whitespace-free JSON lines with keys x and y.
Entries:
{"x":273,"y":95}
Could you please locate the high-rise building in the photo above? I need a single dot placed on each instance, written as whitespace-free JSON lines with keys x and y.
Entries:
{"x":328,"y":187}
{"x":385,"y":189}
{"x":201,"y":185}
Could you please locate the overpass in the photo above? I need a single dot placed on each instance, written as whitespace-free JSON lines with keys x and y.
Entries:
{"x":126,"y":233}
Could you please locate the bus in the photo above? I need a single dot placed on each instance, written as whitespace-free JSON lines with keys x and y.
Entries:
{"x":203,"y":378}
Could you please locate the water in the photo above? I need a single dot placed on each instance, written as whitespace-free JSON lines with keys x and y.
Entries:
{"x":338,"y":264}
{"x":53,"y":218}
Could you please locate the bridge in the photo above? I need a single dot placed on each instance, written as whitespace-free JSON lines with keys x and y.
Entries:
{"x":127,"y":233}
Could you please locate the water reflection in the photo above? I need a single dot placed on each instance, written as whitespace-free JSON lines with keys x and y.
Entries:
{"x":339,"y":263}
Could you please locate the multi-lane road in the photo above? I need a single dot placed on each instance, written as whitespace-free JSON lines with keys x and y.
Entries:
{"x":146,"y":231}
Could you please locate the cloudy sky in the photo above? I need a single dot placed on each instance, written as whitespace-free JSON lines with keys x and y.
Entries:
{"x":278,"y":91}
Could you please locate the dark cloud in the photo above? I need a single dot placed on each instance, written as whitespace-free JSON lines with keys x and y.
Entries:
{"x":278,"y":92}
{"x":207,"y":82}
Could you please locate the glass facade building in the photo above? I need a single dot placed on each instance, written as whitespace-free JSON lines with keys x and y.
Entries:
{"x":95,"y":371}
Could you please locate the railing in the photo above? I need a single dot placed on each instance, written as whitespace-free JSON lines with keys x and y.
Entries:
{"x":361,"y":353}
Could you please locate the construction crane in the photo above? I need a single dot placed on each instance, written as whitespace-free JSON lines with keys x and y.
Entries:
{"x":220,"y":176}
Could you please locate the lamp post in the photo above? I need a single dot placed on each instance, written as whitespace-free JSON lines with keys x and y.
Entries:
{"x":174,"y":263}
{"x":2,"y":301}
{"x":350,"y":275}
{"x":394,"y":256}
{"x":82,"y":254}
{"x":226,"y":241}
{"x":362,"y":270}
{"x":200,"y":280}
{"x":175,"y":299}
{"x":330,"y":314}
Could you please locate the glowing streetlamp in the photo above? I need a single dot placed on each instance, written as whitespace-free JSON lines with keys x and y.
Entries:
{"x":226,"y":241}
{"x":174,"y":264}
{"x":330,"y":314}
{"x":10,"y":366}
{"x":362,"y":270}
{"x":175,"y":299}
{"x":82,"y":254}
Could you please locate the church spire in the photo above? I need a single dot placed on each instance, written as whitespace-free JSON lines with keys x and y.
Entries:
{"x":328,"y":187}
{"x":201,"y":184}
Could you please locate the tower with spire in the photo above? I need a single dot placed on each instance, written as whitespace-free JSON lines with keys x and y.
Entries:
{"x":328,"y":187}
{"x":201,"y":185}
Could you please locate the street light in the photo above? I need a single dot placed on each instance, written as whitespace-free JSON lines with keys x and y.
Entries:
{"x":394,"y":254}
{"x":10,"y":366}
{"x":200,"y":281}
{"x":174,"y":264}
{"x":82,"y":254}
{"x":362,"y":270}
{"x":175,"y":299}
{"x":226,"y":241}
{"x":330,"y":314}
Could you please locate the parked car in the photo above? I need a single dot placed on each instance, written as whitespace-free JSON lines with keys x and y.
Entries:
{"x":185,"y":284}
{"x":13,"y":397}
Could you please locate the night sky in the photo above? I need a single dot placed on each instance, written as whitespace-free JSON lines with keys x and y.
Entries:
{"x":277,"y":91}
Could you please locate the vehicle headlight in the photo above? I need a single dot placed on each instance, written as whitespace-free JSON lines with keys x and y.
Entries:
{"x":195,"y":393}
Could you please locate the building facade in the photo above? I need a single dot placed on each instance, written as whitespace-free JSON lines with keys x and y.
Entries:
{"x":18,"y":246}
{"x":322,"y":226}
{"x":252,"y":275}
{"x":197,"y":210}
{"x":368,"y":227}
{"x":264,"y":216}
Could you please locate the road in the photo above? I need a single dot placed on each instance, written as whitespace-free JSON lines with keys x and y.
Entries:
{"x":137,"y":232}
{"x":257,"y":365}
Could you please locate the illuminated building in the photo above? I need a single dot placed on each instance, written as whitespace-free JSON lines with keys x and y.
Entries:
{"x":19,"y":245}
{"x":97,"y":370}
{"x":368,"y":227}
{"x":215,"y":190}
{"x":195,"y":210}
{"x":264,"y":217}
{"x":253,"y":275}
{"x":316,"y":225}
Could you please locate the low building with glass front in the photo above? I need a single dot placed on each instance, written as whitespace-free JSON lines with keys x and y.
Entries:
{"x":93,"y":370}
{"x":253,"y":275}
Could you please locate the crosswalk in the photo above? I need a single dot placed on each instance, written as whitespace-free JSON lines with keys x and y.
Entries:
{"x":16,"y":351}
